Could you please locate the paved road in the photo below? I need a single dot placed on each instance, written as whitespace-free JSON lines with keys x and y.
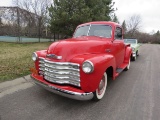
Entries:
{"x":134,"y":95}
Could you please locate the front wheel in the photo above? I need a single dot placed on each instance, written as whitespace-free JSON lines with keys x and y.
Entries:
{"x":100,"y":91}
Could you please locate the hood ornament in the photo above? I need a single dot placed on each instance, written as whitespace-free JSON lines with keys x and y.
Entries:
{"x":54,"y":56}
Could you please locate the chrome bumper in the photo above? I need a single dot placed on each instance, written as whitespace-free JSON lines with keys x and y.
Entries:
{"x":65,"y":93}
{"x":133,"y":54}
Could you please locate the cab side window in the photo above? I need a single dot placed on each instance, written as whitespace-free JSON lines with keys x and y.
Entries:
{"x":118,"y":33}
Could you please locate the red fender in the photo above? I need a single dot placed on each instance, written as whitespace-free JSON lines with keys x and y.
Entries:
{"x":128,"y":53}
{"x":90,"y":82}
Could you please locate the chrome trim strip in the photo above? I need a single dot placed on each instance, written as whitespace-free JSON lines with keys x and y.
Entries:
{"x":62,"y":71}
{"x":55,"y":76}
{"x":89,"y":29}
{"x":60,"y":67}
{"x":65,"y":93}
{"x":62,"y":63}
{"x":55,"y":72}
{"x":57,"y":81}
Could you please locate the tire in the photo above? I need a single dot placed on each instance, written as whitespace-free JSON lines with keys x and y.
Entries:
{"x":128,"y":66}
{"x":100,"y":91}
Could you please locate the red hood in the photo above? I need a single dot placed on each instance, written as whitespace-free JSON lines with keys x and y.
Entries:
{"x":76,"y":46}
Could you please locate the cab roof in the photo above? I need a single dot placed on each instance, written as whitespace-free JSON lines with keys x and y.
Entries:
{"x":101,"y":22}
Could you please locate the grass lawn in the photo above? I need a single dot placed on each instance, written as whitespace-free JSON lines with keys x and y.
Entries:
{"x":15,"y":59}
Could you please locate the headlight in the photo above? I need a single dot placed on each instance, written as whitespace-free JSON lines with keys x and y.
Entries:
{"x":34,"y":56}
{"x":87,"y":67}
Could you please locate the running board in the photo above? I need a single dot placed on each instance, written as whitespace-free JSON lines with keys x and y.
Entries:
{"x":120,"y":69}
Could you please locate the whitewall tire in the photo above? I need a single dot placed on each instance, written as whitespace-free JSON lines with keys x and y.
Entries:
{"x":100,"y":91}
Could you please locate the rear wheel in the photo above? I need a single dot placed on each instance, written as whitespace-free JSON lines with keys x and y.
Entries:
{"x":100,"y":91}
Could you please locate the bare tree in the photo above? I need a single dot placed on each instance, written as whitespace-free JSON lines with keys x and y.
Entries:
{"x":133,"y":25}
{"x":40,"y":9}
{"x":8,"y":20}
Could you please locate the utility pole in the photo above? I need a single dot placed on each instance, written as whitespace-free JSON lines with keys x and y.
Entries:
{"x":39,"y":27}
{"x":18,"y":24}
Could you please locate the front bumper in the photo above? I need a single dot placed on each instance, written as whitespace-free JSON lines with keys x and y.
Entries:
{"x":65,"y":93}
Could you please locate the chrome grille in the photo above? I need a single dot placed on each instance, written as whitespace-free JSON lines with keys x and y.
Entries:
{"x":60,"y":72}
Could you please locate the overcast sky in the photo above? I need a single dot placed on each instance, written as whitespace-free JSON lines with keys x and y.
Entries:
{"x":5,"y":2}
{"x":149,"y":11}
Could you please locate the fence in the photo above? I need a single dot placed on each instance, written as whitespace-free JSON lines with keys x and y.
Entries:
{"x":19,"y":25}
{"x":23,"y":39}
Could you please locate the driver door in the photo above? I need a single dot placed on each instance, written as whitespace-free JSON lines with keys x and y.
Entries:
{"x":119,"y":46}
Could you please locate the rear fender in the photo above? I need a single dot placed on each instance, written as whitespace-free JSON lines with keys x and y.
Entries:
{"x":128,"y":53}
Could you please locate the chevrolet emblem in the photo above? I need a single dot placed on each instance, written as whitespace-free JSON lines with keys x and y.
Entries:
{"x":54,"y":56}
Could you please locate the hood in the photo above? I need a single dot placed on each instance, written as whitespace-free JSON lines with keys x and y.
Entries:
{"x":133,"y":45}
{"x":70,"y":48}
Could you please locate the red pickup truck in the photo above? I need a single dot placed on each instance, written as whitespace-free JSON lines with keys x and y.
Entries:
{"x":79,"y":67}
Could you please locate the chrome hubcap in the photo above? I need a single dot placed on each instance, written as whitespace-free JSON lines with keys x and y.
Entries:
{"x":101,"y":86}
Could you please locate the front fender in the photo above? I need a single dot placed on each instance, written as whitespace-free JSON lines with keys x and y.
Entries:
{"x":89,"y":82}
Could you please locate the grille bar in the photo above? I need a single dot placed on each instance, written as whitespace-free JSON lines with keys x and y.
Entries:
{"x":60,"y":72}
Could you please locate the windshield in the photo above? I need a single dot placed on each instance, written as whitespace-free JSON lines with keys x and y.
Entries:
{"x":94,"y":30}
{"x":133,"y":41}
